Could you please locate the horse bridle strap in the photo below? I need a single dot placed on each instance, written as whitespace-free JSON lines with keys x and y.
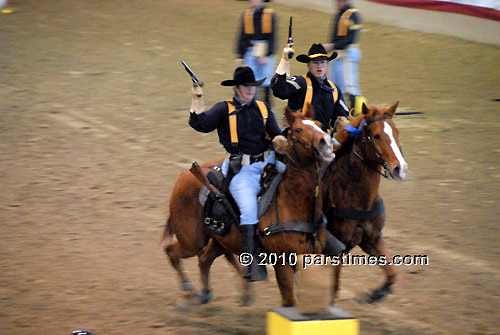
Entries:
{"x":381,"y":161}
{"x":355,"y":214}
{"x":383,"y":117}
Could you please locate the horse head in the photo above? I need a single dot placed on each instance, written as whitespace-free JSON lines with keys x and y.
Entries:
{"x":380,"y":139}
{"x":307,"y":142}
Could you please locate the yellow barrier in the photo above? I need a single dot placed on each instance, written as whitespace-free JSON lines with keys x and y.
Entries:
{"x":288,"y":321}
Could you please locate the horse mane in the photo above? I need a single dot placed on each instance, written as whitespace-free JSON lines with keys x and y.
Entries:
{"x":344,"y":137}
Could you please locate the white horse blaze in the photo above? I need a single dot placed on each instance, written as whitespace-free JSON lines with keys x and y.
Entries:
{"x":328,"y":154}
{"x":312,"y":124}
{"x":394,"y":146}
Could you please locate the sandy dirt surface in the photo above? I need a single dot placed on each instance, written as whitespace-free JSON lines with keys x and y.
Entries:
{"x":93,"y":132}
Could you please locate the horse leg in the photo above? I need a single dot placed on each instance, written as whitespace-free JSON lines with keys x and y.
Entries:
{"x":230,"y":258}
{"x":205,"y":260}
{"x":285,"y":279}
{"x":247,"y":297}
{"x":335,"y":284}
{"x":378,"y":294}
{"x":175,"y":251}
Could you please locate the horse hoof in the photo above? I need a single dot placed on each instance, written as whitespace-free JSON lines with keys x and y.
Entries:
{"x":246,"y":300}
{"x":187,"y":286}
{"x":204,"y":296}
{"x":377,"y":295}
{"x":182,"y":306}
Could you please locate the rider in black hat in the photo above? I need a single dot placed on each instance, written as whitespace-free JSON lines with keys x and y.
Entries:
{"x":245,"y":127}
{"x":313,"y":88}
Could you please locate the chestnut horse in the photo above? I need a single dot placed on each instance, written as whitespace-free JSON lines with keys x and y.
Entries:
{"x":352,"y":204}
{"x":295,"y":201}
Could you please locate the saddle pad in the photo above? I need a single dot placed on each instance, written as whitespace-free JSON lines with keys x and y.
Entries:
{"x":203,"y":195}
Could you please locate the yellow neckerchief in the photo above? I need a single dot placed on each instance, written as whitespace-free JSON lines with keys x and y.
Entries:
{"x":266,"y":24}
{"x":345,"y":22}
{"x":309,"y":93}
{"x":233,"y":127}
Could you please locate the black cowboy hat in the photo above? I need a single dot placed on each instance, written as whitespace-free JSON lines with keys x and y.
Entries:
{"x":243,"y":75}
{"x":316,"y":52}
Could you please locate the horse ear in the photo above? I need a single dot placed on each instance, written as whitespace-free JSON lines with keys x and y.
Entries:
{"x":364,"y":109}
{"x":308,"y":111}
{"x":392,"y":109}
{"x":290,"y":115}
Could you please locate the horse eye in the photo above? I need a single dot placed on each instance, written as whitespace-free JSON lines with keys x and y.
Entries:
{"x":298,"y":130}
{"x":376,"y":136}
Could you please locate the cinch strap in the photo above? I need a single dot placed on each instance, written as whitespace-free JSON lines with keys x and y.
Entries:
{"x":345,"y":22}
{"x":266,"y":24}
{"x":233,"y":125}
{"x":309,"y":93}
{"x":354,"y":214}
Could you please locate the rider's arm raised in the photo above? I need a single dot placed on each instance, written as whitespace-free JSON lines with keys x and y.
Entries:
{"x":286,"y":88}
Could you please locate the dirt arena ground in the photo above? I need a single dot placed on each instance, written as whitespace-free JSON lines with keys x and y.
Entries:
{"x":93,"y":132}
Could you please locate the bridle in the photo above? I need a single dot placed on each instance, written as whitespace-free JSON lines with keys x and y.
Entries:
{"x":318,"y":169}
{"x":378,"y":157}
{"x":308,"y":147}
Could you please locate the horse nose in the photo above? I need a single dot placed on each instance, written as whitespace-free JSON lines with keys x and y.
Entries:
{"x":325,"y":143}
{"x":400,"y":171}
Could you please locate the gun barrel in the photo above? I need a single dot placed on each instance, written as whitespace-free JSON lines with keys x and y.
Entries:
{"x":194,"y":78}
{"x":290,"y":39}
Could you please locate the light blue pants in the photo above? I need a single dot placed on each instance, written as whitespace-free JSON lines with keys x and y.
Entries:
{"x":344,"y":72}
{"x":245,"y":186}
{"x":260,"y":71}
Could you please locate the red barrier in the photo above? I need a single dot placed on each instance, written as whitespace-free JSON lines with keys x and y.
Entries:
{"x":444,"y":6}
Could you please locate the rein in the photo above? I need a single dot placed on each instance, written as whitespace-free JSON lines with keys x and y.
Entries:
{"x":301,"y":227}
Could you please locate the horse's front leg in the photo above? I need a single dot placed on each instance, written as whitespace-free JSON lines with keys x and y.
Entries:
{"x":247,"y":297}
{"x":380,"y":249}
{"x":285,"y":279}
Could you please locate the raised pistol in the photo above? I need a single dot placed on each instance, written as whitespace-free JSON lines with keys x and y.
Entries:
{"x":194,"y":78}
{"x":290,"y":39}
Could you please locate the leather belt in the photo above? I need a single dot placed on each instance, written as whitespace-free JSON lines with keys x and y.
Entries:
{"x":250,"y":159}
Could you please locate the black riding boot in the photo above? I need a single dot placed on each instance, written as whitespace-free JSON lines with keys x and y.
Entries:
{"x":254,"y":271}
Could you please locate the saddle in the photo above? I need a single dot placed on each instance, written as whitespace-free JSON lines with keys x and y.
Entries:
{"x":216,"y":216}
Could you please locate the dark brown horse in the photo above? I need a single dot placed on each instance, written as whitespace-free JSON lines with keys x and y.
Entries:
{"x":295,"y":201}
{"x":353,"y":206}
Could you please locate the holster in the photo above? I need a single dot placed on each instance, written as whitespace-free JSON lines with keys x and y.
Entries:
{"x":227,"y":206}
{"x":234,"y":166}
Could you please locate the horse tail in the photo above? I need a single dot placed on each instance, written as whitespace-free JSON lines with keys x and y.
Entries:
{"x":168,"y":232}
